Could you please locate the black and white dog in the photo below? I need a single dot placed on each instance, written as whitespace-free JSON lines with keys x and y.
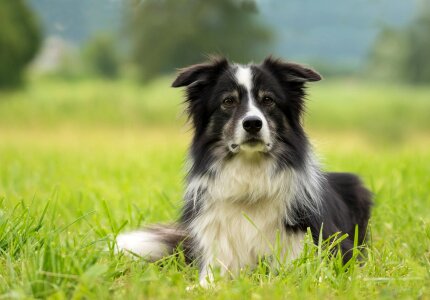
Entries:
{"x":254,"y":185}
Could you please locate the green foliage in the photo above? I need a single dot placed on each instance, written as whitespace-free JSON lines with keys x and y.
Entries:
{"x":174,"y":33}
{"x":20,"y":39}
{"x":403,"y":54}
{"x":417,"y":63}
{"x":68,"y":192}
{"x":387,"y":59}
{"x":382,"y":112}
{"x":70,"y":67}
{"x":102,"y":57}
{"x":82,"y":161}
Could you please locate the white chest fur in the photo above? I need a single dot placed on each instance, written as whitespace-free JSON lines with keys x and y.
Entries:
{"x":242,"y":217}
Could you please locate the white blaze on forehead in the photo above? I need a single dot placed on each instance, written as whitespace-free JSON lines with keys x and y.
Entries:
{"x":244,"y":77}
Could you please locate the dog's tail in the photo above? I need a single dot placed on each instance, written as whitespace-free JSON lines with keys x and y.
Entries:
{"x":152,"y":243}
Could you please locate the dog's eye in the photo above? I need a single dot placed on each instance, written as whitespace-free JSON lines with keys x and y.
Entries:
{"x":267,"y":101}
{"x":229,"y":102}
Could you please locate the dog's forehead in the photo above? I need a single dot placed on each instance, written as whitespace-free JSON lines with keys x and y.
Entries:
{"x":254,"y":77}
{"x":240,"y":74}
{"x":243,"y":74}
{"x":247,"y":77}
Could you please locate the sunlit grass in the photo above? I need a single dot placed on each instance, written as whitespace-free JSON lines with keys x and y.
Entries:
{"x":386,"y":112}
{"x":70,"y":180}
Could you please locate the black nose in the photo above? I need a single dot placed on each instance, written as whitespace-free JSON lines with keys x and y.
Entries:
{"x":252,"y":124}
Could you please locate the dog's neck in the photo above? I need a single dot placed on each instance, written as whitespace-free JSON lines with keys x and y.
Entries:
{"x":251,"y":180}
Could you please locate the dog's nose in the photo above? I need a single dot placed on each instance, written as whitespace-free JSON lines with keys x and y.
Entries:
{"x":252,"y":124}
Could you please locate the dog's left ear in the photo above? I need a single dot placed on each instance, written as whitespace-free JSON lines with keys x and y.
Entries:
{"x":290,"y":72}
{"x":200,"y":73}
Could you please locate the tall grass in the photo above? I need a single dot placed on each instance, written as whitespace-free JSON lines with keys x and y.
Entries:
{"x":81,"y":162}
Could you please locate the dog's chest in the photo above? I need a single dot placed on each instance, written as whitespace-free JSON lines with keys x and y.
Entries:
{"x":242,"y":216}
{"x":242,"y":181}
{"x":235,"y":236}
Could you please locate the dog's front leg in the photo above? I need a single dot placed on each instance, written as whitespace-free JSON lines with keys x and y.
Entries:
{"x":206,"y":275}
{"x":207,"y":269}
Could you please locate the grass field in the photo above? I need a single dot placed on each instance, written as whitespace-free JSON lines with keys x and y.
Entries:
{"x":82,"y":161}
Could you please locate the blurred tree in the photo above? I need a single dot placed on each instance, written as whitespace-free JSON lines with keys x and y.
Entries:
{"x":166,"y":34}
{"x":387,"y":57}
{"x":404,"y":54}
{"x":102,"y":57}
{"x":416,"y":67}
{"x":20,"y":38}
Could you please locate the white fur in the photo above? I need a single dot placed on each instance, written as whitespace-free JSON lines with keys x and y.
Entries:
{"x":243,"y":203}
{"x":243,"y":210}
{"x":244,"y":77}
{"x":142,"y":243}
{"x":307,"y":187}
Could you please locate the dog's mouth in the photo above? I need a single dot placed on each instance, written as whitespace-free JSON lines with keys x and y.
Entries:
{"x":251,"y":145}
{"x":253,"y":142}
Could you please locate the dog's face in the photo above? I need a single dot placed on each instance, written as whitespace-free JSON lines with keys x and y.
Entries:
{"x":246,"y":109}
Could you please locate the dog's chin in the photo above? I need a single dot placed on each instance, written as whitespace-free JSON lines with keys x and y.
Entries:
{"x":250,"y":146}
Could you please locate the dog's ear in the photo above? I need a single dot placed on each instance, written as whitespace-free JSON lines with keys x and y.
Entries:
{"x":200,"y":73}
{"x":290,"y":72}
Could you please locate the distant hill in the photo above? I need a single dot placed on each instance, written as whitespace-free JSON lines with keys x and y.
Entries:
{"x":332,"y":31}
{"x":78,"y":20}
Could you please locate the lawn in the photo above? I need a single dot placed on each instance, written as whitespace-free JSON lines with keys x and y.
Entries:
{"x":82,"y":161}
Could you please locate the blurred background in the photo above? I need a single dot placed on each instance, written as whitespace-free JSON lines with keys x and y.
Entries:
{"x":110,"y":62}
{"x":90,"y":127}
{"x":82,"y":72}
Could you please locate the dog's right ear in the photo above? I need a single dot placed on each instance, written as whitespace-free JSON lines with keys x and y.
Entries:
{"x":200,"y":73}
{"x":291,"y":72}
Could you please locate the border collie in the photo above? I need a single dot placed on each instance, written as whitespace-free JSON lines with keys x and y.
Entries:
{"x":254,"y":186}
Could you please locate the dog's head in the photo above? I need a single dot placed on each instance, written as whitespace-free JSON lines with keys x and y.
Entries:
{"x":246,"y":109}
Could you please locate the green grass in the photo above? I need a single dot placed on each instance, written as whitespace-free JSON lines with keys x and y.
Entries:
{"x":80,"y":162}
{"x":382,"y":111}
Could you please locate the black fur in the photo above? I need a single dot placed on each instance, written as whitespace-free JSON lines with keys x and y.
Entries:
{"x":346,"y":204}
{"x":217,"y":103}
{"x":345,"y":201}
